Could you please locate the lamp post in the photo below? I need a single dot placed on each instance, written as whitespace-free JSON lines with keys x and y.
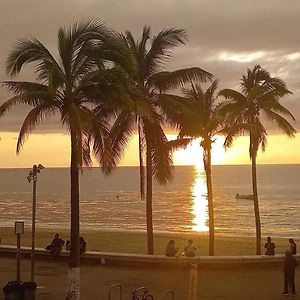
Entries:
{"x":32,"y":176}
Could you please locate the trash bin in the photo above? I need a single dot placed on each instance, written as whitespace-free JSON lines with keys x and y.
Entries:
{"x":13,"y":290}
{"x":29,"y":289}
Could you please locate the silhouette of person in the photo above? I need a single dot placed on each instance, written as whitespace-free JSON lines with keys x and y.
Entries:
{"x":290,"y":264}
{"x":190,"y":249}
{"x":82,"y":245}
{"x":171,"y":249}
{"x":293,"y":247}
{"x":55,"y":247}
{"x":270,"y":246}
{"x":68,"y":245}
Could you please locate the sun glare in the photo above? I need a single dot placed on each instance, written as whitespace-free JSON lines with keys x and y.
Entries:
{"x":200,"y":208}
{"x":193,"y":154}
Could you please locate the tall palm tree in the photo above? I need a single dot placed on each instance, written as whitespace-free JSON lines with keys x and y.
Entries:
{"x":149,"y":83}
{"x":67,"y":86}
{"x":205,"y":123}
{"x":260,"y":96}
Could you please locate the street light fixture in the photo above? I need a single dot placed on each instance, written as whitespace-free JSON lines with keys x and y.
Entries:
{"x":32,"y":176}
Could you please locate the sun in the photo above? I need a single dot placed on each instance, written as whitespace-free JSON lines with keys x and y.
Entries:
{"x":193,"y":154}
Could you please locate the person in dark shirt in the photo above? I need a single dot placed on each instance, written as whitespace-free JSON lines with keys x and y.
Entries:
{"x":82,"y":245}
{"x":270,"y":246}
{"x":290,"y":264}
{"x":293,"y":247}
{"x":55,"y":247}
{"x":171,"y":249}
{"x":68,"y":245}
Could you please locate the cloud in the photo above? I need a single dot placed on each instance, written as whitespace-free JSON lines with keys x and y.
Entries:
{"x":225,"y":36}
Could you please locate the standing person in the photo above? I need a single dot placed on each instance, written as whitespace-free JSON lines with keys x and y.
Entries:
{"x":293,"y":247}
{"x":190,"y":249}
{"x":270,"y":246}
{"x":289,"y":273}
{"x":82,"y":244}
{"x":171,"y":249}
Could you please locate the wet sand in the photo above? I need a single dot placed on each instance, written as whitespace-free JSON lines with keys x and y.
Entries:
{"x":136,"y":242}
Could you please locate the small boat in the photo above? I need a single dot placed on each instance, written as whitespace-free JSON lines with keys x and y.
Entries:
{"x":247,"y":197}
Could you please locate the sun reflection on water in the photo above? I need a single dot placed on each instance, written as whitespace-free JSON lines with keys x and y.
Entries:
{"x":200,"y":205}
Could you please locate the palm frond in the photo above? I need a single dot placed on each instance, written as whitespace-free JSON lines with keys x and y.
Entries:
{"x":27,"y":51}
{"x":232,"y":95}
{"x":161,"y":49}
{"x":156,"y":141}
{"x":163,"y":81}
{"x":180,"y":143}
{"x":35,"y":116}
{"x":281,"y":122}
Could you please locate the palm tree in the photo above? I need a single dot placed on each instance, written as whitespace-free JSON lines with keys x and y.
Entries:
{"x":149,"y":84}
{"x":67,"y":86}
{"x":260,"y":96}
{"x":204,"y":124}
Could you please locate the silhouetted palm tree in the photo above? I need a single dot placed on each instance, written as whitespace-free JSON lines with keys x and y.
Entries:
{"x":260,"y":96}
{"x":71,"y":86}
{"x":149,"y":84}
{"x":205,"y":124}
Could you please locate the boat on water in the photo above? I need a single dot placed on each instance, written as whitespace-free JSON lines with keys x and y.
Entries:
{"x":247,"y":197}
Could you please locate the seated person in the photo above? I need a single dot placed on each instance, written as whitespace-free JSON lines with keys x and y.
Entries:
{"x":82,"y":245}
{"x":55,"y":247}
{"x":190,"y":249}
{"x":68,"y":245}
{"x":171,"y":249}
{"x":270,"y":246}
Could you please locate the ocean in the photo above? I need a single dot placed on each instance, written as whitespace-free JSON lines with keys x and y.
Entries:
{"x":113,"y":203}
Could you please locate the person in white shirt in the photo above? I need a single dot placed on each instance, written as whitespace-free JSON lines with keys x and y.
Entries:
{"x":190,"y":249}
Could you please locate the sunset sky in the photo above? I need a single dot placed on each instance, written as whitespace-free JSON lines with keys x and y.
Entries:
{"x":223,"y":41}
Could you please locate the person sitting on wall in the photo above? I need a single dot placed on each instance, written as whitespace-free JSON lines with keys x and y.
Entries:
{"x":55,"y":247}
{"x":190,"y":249}
{"x":270,"y":246}
{"x":171,"y":249}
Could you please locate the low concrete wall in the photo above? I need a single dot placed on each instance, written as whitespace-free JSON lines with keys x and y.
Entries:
{"x":112,"y":258}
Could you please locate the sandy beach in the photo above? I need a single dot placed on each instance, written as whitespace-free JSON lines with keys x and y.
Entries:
{"x":136,"y":242}
{"x":237,"y":283}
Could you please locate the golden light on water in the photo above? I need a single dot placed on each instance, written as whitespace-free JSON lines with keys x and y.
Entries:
{"x":200,"y":205}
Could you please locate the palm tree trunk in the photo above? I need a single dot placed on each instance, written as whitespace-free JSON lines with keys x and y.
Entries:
{"x":149,"y":203}
{"x":74,"y":263}
{"x":207,"y":166}
{"x":256,"y":205}
{"x":142,"y":171}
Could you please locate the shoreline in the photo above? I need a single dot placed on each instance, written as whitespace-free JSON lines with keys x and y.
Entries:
{"x":158,"y":232}
{"x":126,"y":241}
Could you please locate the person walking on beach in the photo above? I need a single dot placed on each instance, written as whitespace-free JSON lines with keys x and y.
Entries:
{"x":190,"y":249}
{"x":290,"y":264}
{"x":293,"y":247}
{"x":270,"y":246}
{"x":171,"y":249}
